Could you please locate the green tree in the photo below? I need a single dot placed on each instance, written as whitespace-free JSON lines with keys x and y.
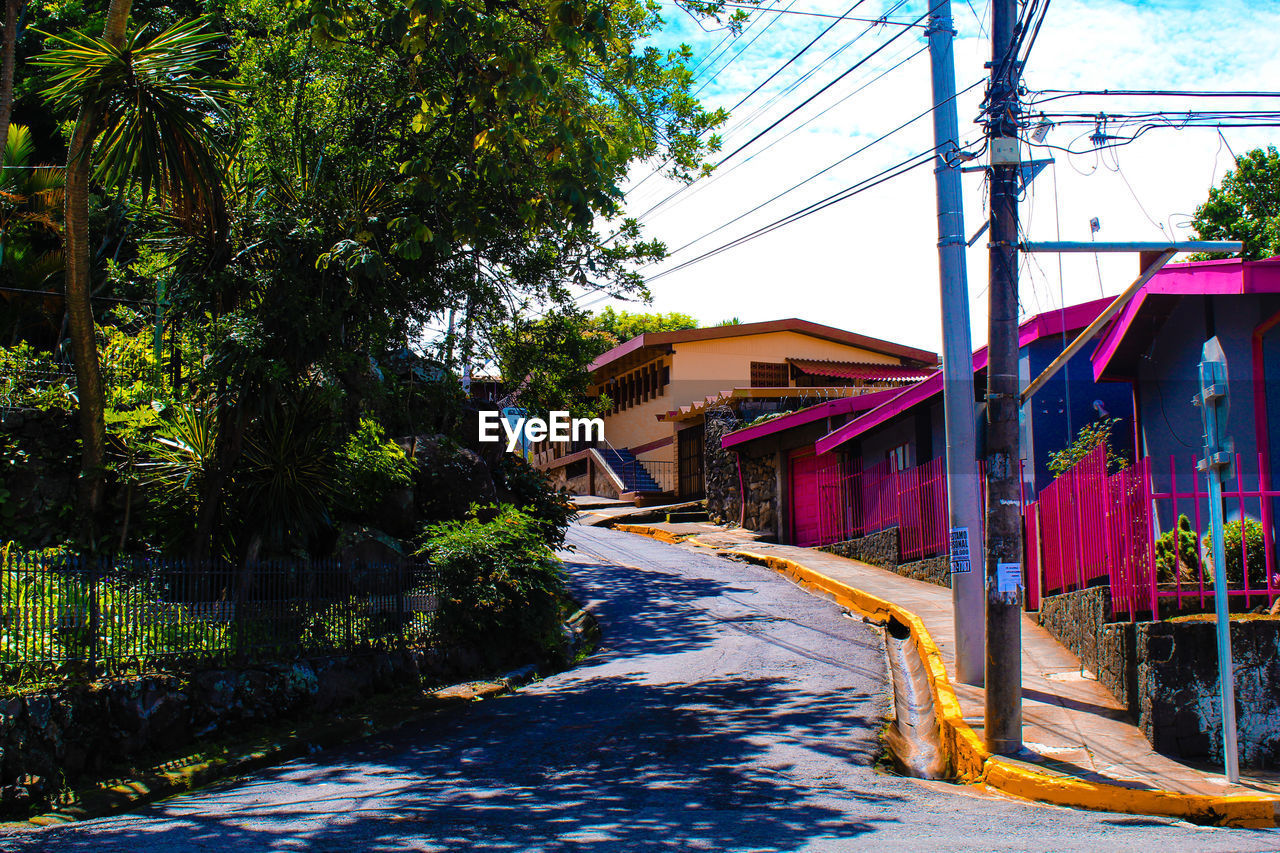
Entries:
{"x":141,"y":103}
{"x":622,"y":326}
{"x":1245,"y":206}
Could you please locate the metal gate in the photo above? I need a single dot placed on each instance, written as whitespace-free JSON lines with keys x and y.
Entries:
{"x":691,"y":483}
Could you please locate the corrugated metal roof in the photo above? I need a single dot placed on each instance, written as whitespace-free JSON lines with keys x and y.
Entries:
{"x":868,"y":371}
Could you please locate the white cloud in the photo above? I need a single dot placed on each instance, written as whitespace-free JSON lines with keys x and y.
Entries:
{"x":870,"y":263}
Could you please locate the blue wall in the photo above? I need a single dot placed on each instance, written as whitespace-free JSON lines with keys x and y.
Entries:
{"x":1050,"y":424}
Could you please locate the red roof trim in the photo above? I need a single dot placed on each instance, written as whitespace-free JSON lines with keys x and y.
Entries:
{"x":1228,"y":277}
{"x":804,"y":327}
{"x":829,"y":409}
{"x":1042,"y":325}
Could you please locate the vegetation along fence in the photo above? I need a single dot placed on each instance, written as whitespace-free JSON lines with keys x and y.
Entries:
{"x":66,"y":614}
{"x":1144,"y":532}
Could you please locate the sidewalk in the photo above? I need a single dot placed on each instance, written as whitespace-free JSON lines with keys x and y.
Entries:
{"x":1072,"y":726}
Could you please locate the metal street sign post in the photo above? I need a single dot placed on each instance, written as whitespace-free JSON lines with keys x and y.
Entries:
{"x":1214,"y":406}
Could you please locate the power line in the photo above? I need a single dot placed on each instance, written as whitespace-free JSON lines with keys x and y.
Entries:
{"x":809,"y":100}
{"x":700,"y":185}
{"x":845,"y":17}
{"x":823,"y":171}
{"x":901,"y":168}
{"x":709,"y":80}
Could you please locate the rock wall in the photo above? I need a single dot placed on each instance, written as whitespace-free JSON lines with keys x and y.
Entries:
{"x":1081,"y":621}
{"x":882,"y":549}
{"x":759,"y":479}
{"x":1177,"y":677}
{"x":720,"y":467}
{"x":51,"y":738}
{"x":878,"y":549}
{"x":1075,"y":619}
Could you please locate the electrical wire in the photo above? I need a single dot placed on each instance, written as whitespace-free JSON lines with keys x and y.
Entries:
{"x":823,"y":171}
{"x":810,"y":99}
{"x":898,"y":169}
{"x":693,"y":189}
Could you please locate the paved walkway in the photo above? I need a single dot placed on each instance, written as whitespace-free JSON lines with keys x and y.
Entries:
{"x":1072,"y":725}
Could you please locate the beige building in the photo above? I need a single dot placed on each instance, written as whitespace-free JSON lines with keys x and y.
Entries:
{"x":661,"y":383}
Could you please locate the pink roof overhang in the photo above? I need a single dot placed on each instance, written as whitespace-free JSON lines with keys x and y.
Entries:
{"x":1130,"y":332}
{"x":1040,"y":326}
{"x":822,"y":411}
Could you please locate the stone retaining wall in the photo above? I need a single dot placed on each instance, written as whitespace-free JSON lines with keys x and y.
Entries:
{"x":759,"y":479}
{"x":1177,"y":676}
{"x":882,"y":549}
{"x":54,"y":737}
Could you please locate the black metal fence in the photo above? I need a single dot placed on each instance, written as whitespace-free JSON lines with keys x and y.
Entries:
{"x":64,"y":616}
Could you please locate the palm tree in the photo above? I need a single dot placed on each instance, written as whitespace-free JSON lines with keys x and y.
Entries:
{"x":144,"y":104}
{"x":30,"y":229}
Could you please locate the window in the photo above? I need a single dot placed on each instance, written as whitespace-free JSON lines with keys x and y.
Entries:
{"x":898,"y":456}
{"x":765,"y":374}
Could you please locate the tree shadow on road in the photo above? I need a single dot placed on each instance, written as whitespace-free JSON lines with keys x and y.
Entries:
{"x":607,"y":757}
{"x":607,"y":764}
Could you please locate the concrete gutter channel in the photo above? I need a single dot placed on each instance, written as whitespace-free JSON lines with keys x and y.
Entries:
{"x":580,"y":631}
{"x":930,"y":739}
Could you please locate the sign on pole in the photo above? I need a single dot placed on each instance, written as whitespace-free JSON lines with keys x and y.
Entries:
{"x":1214,"y":405}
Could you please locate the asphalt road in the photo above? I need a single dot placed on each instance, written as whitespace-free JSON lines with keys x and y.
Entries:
{"x":726,"y":710}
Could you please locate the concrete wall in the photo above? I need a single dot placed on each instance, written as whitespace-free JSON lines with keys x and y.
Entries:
{"x":1178,"y":689}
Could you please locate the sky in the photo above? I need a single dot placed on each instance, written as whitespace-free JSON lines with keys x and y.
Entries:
{"x":869,"y":264}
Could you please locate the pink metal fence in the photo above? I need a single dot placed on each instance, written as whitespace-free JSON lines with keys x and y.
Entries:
{"x":1089,"y":527}
{"x":855,"y":501}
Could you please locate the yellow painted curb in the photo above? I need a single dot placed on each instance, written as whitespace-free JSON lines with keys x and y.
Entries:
{"x":969,"y":761}
{"x":652,"y":532}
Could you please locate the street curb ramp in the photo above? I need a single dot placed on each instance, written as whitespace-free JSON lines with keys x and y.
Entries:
{"x":968,"y":760}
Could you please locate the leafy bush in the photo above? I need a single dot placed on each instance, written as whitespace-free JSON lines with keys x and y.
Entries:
{"x":533,"y":493}
{"x":369,"y":466}
{"x":30,"y":379}
{"x":499,"y":584}
{"x":1089,"y":437}
{"x":45,"y":612}
{"x":1180,"y":560}
{"x":1254,"y":545}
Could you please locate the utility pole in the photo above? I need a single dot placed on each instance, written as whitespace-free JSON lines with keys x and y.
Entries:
{"x":1003,"y":722}
{"x":964,"y":498}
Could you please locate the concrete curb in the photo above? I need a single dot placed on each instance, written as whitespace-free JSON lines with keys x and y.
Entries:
{"x":119,"y":796}
{"x":968,"y":759}
{"x":652,"y":532}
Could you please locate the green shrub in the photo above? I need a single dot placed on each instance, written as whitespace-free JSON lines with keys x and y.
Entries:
{"x":1089,"y":437}
{"x":499,"y":583}
{"x":1253,"y":544}
{"x":534,"y":494}
{"x":1180,"y":561}
{"x":45,"y":615}
{"x":369,"y":466}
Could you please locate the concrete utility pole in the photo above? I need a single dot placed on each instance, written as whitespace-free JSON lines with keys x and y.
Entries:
{"x":964,"y":498}
{"x":1003,"y":723}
